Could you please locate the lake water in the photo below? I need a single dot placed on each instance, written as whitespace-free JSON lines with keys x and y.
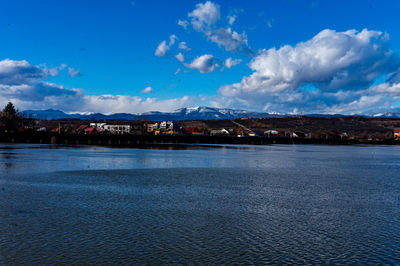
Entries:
{"x":199,"y":205}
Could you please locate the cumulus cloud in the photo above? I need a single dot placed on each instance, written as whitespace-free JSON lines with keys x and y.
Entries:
{"x":332,"y":72}
{"x":204,"y":15}
{"x":204,"y":64}
{"x":19,"y":79}
{"x":163,"y":48}
{"x":27,"y":87}
{"x":229,"y":39}
{"x":147,"y":90}
{"x":204,"y":19}
{"x":229,"y":62}
{"x":180,"y":57}
{"x":131,"y":104}
{"x":183,"y":46}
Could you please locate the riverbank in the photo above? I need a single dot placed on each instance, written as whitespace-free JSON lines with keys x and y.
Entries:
{"x":146,"y":140}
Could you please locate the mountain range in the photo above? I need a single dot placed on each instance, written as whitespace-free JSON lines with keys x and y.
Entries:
{"x":192,"y":113}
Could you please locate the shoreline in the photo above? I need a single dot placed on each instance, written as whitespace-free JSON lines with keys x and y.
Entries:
{"x":163,"y":140}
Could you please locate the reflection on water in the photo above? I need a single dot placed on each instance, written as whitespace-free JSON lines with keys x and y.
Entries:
{"x":205,"y":205}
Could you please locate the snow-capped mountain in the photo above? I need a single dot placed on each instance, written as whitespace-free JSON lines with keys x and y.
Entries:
{"x":389,"y":115}
{"x":189,"y":113}
{"x":193,"y":113}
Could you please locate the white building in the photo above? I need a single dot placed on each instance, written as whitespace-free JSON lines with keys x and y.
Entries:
{"x":167,"y":125}
{"x":118,"y":129}
{"x":98,"y":125}
{"x":113,"y":129}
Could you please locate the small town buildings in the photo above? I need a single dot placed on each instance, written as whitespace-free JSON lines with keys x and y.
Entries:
{"x":164,"y":128}
{"x":80,"y":129}
{"x":113,"y":129}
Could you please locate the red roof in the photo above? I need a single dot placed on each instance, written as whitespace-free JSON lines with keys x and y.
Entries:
{"x":90,"y":130}
{"x":190,"y":130}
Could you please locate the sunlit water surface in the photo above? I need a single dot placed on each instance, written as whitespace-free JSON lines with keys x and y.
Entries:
{"x":199,"y":205}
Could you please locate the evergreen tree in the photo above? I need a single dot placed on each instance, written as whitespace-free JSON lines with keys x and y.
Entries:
{"x":9,"y":110}
{"x":9,"y":116}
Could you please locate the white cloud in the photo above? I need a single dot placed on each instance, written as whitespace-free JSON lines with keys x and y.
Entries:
{"x":231,"y":19}
{"x":162,"y":49}
{"x":177,"y":71}
{"x":26,"y":86}
{"x":131,"y":104}
{"x":147,"y":90}
{"x":19,"y":79}
{"x":20,"y":72}
{"x":204,"y":64}
{"x":392,"y":89}
{"x":204,"y":19}
{"x":329,"y":73}
{"x":204,"y":15}
{"x":183,"y":46}
{"x":73,"y":72}
{"x":180,"y":57}
{"x":54,"y":71}
{"x":172,"y":39}
{"x":229,"y":39}
{"x":229,"y":62}
{"x":183,"y":23}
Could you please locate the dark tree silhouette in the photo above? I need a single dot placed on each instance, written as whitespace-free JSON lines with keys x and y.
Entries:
{"x":10,"y":118}
{"x":9,"y":110}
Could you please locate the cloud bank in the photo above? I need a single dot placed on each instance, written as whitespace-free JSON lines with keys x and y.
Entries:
{"x":334,"y":72}
{"x":27,"y":87}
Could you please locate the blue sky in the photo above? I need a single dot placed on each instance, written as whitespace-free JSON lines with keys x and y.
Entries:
{"x":100,"y":56}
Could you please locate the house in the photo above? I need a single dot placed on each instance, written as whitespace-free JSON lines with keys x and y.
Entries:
{"x":396,"y":133}
{"x":118,"y":129}
{"x":168,"y":125}
{"x":239,"y":133}
{"x":222,"y":131}
{"x":80,"y":129}
{"x":42,"y":129}
{"x":164,"y":127}
{"x":90,"y":131}
{"x":192,"y":131}
{"x":97,"y":125}
{"x":271,"y":132}
{"x":299,"y":134}
{"x":251,"y":134}
{"x":150,"y":127}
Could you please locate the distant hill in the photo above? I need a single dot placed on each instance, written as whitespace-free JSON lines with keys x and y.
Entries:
{"x":192,"y":113}
{"x":195,"y":113}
